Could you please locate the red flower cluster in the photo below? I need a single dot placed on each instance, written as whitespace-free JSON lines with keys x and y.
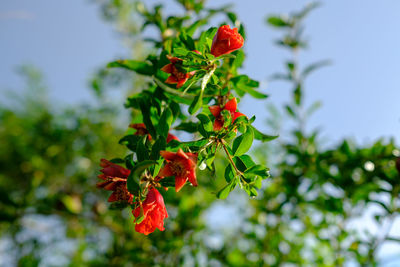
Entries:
{"x":115,"y":177}
{"x":150,"y":214}
{"x":226,"y":41}
{"x":154,"y":213}
{"x":230,"y":106}
{"x":141,"y":130}
{"x":181,"y":165}
{"x":177,"y":76}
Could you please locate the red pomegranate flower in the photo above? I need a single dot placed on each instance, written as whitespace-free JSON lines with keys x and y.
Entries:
{"x":114,"y":179}
{"x":177,"y":76}
{"x":226,"y":41}
{"x":141,"y":130}
{"x":230,"y":106}
{"x":181,"y":165}
{"x":154,"y":213}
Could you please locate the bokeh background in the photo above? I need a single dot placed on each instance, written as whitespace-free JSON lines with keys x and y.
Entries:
{"x":61,"y":111}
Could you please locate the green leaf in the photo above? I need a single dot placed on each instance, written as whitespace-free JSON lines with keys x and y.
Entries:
{"x":278,"y":22}
{"x":132,"y":185}
{"x":244,"y":83}
{"x":205,"y":126}
{"x":243,"y":142}
{"x":290,"y":111}
{"x":259,"y":170}
{"x":137,"y":66}
{"x":165,"y":122}
{"x":130,"y":141}
{"x":229,"y":174}
{"x":263,"y":137}
{"x":159,"y":145}
{"x":205,"y":40}
{"x":196,"y":104}
{"x":232,"y":16}
{"x":192,"y":28}
{"x":298,"y":94}
{"x":145,"y":109}
{"x":187,"y":40}
{"x":224,"y":192}
{"x":190,"y":127}
{"x":142,"y":152}
{"x":168,"y":181}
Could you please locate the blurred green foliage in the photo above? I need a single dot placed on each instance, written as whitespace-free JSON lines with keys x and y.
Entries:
{"x":308,"y":214}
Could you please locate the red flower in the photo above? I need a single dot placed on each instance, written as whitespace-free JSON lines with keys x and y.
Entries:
{"x":226,"y":41}
{"x":177,"y":76}
{"x":141,"y":130}
{"x":154,"y":213}
{"x":230,"y":106}
{"x":181,"y":165}
{"x":114,"y":177}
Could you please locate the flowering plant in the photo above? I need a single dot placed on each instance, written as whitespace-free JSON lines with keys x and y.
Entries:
{"x":194,"y":86}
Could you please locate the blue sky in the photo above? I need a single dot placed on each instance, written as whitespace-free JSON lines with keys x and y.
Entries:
{"x":360,"y":92}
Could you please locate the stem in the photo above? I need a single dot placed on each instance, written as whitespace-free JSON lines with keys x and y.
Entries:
{"x":239,"y":173}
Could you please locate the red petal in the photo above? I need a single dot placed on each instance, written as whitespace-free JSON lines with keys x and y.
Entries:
{"x":138,"y":126}
{"x":102,"y":184}
{"x":166,"y":171}
{"x":179,"y":182}
{"x":181,"y":82}
{"x":113,"y":197}
{"x":237,"y":115}
{"x":102,"y":176}
{"x":192,"y":177}
{"x":104,"y":163}
{"x":111,"y":186}
{"x":181,"y":154}
{"x":173,"y":60}
{"x":215,"y":110}
{"x":167,"y":68}
{"x":171,"y":80}
{"x":218,"y":124}
{"x":168,"y":155}
{"x":231,"y":105}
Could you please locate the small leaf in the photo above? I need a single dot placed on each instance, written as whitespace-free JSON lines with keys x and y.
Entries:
{"x":243,"y":142}
{"x":196,"y":104}
{"x":290,"y":111}
{"x":159,"y":145}
{"x":190,"y":127}
{"x":137,"y":66}
{"x":142,"y":152}
{"x":229,"y":175}
{"x":165,"y":122}
{"x":263,"y":137}
{"x":259,"y":170}
{"x":278,"y":22}
{"x":224,"y":192}
{"x":205,"y":125}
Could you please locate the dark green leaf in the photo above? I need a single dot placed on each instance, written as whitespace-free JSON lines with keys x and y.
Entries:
{"x":137,"y":66}
{"x":165,"y":122}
